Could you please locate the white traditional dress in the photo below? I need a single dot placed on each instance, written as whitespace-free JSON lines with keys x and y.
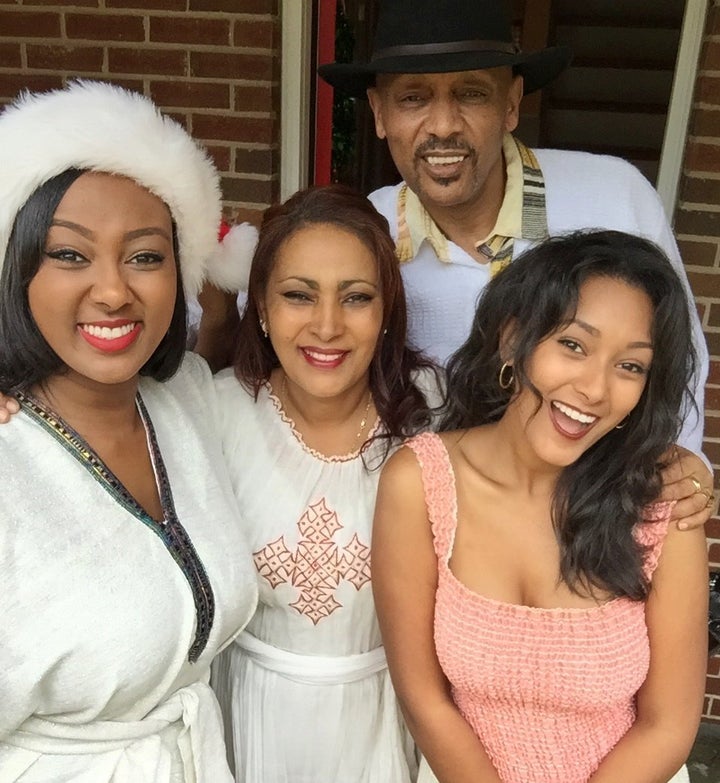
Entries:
{"x":110,"y":619}
{"x":305,"y":689}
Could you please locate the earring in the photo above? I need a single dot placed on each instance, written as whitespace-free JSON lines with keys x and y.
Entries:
{"x":505,"y":380}
{"x":623,"y":422}
{"x":384,"y":331}
{"x":263,"y":326}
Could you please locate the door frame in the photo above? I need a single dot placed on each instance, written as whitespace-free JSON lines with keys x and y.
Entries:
{"x":681,"y":100}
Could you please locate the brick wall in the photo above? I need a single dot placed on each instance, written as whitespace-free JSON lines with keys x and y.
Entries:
{"x":212,"y":64}
{"x":697,"y":225}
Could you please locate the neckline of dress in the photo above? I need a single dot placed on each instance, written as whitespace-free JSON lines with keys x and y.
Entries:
{"x":507,"y":606}
{"x":349,"y":457}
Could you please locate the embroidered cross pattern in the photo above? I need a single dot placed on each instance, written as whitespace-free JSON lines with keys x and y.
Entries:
{"x":318,"y":564}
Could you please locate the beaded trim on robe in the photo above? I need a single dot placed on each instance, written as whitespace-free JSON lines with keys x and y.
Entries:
{"x":170,"y":530}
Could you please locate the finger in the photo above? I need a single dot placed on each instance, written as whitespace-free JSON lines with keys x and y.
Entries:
{"x":12,"y":405}
{"x":694,"y":520}
{"x":691,"y":506}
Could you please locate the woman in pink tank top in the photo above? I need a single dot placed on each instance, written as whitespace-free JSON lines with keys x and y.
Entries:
{"x":543,"y":621}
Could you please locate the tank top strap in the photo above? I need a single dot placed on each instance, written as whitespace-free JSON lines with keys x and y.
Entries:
{"x":439,"y":485}
{"x":651,"y":534}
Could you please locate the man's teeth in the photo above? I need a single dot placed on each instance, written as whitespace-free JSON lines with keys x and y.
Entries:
{"x":444,"y":161}
{"x":107,"y":332}
{"x":571,"y":413}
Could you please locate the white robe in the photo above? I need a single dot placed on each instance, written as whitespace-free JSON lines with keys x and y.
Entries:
{"x":98,"y":618}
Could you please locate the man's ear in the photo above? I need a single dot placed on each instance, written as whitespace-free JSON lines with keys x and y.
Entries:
{"x":375,"y":102}
{"x":515,"y":94}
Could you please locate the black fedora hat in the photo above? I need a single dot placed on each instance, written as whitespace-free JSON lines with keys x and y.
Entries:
{"x":438,"y":36}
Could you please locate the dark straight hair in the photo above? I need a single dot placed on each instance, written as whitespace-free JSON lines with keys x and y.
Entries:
{"x":600,"y":497}
{"x":401,"y":406}
{"x":25,"y":356}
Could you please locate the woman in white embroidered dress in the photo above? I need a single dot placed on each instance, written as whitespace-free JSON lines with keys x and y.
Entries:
{"x":116,"y":589}
{"x":327,"y":388}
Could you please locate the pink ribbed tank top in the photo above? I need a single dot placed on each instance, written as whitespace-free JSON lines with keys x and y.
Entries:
{"x":549,"y":692}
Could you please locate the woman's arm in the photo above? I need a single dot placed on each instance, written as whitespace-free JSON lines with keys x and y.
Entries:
{"x":404,"y":578}
{"x":669,"y":703}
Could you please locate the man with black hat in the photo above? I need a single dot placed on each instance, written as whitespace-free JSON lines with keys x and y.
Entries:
{"x":445,"y":83}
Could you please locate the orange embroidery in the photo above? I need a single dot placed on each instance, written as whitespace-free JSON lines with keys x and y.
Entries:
{"x":318,"y":565}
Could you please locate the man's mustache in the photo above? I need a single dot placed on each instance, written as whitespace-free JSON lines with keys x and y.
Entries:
{"x":450,"y":144}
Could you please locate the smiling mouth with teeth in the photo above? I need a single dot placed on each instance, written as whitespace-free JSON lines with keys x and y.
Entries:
{"x":571,"y":413}
{"x":107,"y":332}
{"x":435,"y":160}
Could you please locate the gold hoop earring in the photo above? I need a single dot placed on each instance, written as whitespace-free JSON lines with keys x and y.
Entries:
{"x":505,"y":381}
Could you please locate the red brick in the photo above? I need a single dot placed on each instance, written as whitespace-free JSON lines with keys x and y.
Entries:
{"x":65,"y":58}
{"x":256,"y":98}
{"x":245,"y":215}
{"x":714,"y":557}
{"x":84,"y":3}
{"x":10,"y":56}
{"x":105,"y":27}
{"x":188,"y":94}
{"x":713,"y":343}
{"x":29,"y":25}
{"x":260,"y":34}
{"x":705,"y":283}
{"x":713,"y":686}
{"x":246,"y":7}
{"x":703,"y":157}
{"x":136,"y":85}
{"x":707,"y":90}
{"x":712,"y":397}
{"x":255,"y":191}
{"x":700,"y":190}
{"x":698,"y":253}
{"x":714,"y":711}
{"x":231,"y":65}
{"x":714,"y":665}
{"x":180,"y":29}
{"x":712,"y":426}
{"x":162,"y":62}
{"x":697,"y":223}
{"x":713,"y":23}
{"x":255,"y":161}
{"x":714,"y":374}
{"x":220,"y":156}
{"x":12,"y":84}
{"x":710,"y":56}
{"x":225,"y":128}
{"x":705,"y":122}
{"x":714,"y":320}
{"x":149,"y":5}
{"x":712,"y":451}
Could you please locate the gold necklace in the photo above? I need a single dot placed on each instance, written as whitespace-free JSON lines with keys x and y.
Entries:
{"x":363,"y":421}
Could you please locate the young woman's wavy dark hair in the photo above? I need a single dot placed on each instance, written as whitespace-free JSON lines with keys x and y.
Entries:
{"x":26,"y":358}
{"x":401,"y":406}
{"x":599,"y":498}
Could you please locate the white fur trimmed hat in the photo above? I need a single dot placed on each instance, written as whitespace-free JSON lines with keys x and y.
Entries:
{"x":102,"y":127}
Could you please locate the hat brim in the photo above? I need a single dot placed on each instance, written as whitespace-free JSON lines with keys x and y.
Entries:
{"x":536,"y":68}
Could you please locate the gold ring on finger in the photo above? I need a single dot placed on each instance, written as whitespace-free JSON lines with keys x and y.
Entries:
{"x":697,"y":486}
